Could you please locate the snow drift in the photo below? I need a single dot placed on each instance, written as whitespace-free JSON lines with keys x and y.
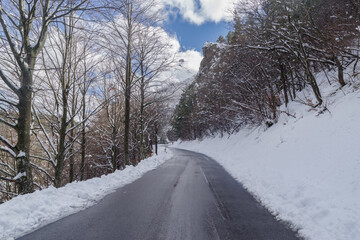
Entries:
{"x":26,"y":213}
{"x":306,"y":168}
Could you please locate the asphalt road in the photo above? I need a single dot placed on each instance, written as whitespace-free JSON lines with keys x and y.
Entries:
{"x":190,"y":197}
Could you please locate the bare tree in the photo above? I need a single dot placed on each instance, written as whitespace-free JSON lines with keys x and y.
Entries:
{"x":63,"y":87}
{"x":154,"y":56}
{"x":24,"y":28}
{"x":108,"y":128}
{"x":131,"y":15}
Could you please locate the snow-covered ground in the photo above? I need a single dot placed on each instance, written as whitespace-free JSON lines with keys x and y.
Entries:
{"x":26,"y":213}
{"x":305,"y":170}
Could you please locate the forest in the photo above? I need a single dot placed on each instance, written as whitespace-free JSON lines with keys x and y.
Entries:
{"x":273,"y":51}
{"x":82,"y":90}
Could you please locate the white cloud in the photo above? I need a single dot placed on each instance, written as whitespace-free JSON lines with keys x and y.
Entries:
{"x":186,"y":63}
{"x":189,"y":63}
{"x":200,"y":11}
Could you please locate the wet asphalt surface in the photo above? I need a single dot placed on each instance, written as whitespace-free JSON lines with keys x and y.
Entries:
{"x":190,"y":197}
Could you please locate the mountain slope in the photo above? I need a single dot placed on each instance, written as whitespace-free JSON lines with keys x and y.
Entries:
{"x":305,"y":168}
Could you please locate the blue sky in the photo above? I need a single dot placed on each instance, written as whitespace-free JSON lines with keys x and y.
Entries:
{"x":192,"y":36}
{"x":192,"y":23}
{"x":195,"y":22}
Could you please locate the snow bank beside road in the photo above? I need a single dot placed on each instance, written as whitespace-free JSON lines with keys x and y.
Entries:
{"x":26,"y":213}
{"x":306,"y":170}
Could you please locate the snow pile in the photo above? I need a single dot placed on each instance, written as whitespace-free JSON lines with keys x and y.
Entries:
{"x":305,"y":170}
{"x":26,"y":213}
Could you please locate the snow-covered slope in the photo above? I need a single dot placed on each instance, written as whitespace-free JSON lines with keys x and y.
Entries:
{"x":305,"y":170}
{"x":26,"y":213}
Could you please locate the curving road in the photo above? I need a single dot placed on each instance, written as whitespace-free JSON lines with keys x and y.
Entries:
{"x":190,"y":197}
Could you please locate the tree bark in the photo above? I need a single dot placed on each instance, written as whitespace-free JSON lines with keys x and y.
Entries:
{"x":83,"y":135}
{"x":128,"y":87}
{"x":25,"y":182}
{"x":127,"y":125}
{"x":142,"y":101}
{"x":71,"y":159}
{"x":313,"y":84}
{"x":114,"y":149}
{"x":284,"y":83}
{"x":83,"y":151}
{"x":156,"y":139}
{"x":340,"y":72}
{"x":60,"y":158}
{"x":72,"y":137}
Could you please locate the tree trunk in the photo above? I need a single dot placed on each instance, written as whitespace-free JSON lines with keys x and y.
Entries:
{"x":127,"y":104}
{"x":340,"y":72}
{"x":303,"y":57}
{"x":312,"y":81}
{"x":314,"y":85}
{"x":72,"y":137}
{"x":62,"y":137}
{"x":71,"y":159}
{"x":83,"y":138}
{"x":156,"y":139}
{"x":293,"y":84}
{"x":72,"y":134}
{"x":284,"y":83}
{"x":114,"y":149}
{"x":25,"y":182}
{"x":127,"y":127}
{"x":142,"y":100}
{"x":272,"y":101}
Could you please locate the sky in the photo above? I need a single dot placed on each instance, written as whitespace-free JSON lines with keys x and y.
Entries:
{"x":195,"y":22}
{"x":191,"y":23}
{"x":192,"y":36}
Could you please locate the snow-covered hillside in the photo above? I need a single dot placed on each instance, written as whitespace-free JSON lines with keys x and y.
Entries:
{"x":306,"y":168}
{"x":26,"y":213}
